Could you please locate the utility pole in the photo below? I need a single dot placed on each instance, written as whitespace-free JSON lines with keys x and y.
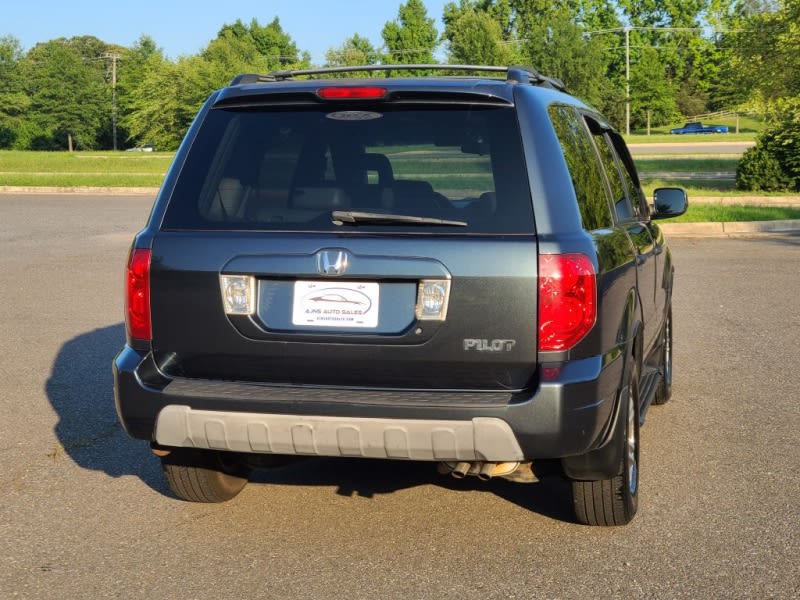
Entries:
{"x":114,"y":57}
{"x":628,"y":81}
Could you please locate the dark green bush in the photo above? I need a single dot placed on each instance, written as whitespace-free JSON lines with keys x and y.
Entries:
{"x":773,"y":165}
{"x":760,"y":171}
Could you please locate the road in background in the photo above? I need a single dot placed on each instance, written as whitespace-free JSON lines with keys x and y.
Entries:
{"x":84,"y":512}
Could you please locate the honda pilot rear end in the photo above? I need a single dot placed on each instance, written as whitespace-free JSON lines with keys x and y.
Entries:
{"x":353,"y":268}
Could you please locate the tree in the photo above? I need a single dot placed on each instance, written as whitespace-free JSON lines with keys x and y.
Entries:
{"x":652,"y":95}
{"x":356,"y":50}
{"x":476,"y":37}
{"x":156,"y":113}
{"x":556,"y":46}
{"x":13,"y":102}
{"x":412,"y":37}
{"x":266,"y":47}
{"x":69,"y":98}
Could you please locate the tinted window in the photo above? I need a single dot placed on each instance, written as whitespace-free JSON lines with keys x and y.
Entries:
{"x":628,"y":171}
{"x":288,"y":170}
{"x":587,"y":178}
{"x":619,"y":194}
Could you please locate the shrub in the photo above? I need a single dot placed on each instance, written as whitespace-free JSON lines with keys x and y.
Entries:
{"x":760,"y":171}
{"x":773,"y":165}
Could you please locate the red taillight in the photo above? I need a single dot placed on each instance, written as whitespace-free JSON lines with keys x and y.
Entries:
{"x":138,"y":295}
{"x":352,"y":93}
{"x":567,"y":300}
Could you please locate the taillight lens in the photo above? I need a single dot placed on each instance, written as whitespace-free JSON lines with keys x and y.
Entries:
{"x":352,"y":93}
{"x":567,"y":300}
{"x":137,"y":298}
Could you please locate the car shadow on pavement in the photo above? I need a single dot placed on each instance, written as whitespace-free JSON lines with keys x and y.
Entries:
{"x":367,"y":478}
{"x":80,"y":390}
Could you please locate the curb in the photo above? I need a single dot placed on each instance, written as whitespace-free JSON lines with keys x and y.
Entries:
{"x":731,"y":229}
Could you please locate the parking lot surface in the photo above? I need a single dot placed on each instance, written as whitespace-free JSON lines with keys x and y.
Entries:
{"x":84,"y":512}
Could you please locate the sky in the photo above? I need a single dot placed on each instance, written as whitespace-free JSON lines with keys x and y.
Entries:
{"x":182,"y":27}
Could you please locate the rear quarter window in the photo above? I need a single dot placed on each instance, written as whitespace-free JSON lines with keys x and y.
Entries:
{"x":584,"y":168}
{"x":279,"y":169}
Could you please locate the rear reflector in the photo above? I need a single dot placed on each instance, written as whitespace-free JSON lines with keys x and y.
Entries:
{"x":137,"y":297}
{"x":352,"y":93}
{"x":567,"y":300}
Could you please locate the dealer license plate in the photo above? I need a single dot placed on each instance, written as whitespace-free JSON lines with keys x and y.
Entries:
{"x":335,"y":304}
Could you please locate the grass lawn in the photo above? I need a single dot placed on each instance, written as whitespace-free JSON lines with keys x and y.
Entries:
{"x":102,"y":169}
{"x":714,"y":213}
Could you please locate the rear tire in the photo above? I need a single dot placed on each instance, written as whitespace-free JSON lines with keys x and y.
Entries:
{"x":204,"y":475}
{"x":614,"y":501}
{"x":664,"y":389}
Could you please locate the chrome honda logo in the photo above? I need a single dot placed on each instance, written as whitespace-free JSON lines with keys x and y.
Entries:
{"x":332,"y":262}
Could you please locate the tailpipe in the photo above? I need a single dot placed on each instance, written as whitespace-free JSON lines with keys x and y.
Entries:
{"x":460,"y":470}
{"x":480,"y":469}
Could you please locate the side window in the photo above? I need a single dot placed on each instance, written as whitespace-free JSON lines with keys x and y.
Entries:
{"x":581,"y":158}
{"x":619,"y":194}
{"x":628,"y":170}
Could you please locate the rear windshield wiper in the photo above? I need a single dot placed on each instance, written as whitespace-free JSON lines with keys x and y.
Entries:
{"x":340,"y":217}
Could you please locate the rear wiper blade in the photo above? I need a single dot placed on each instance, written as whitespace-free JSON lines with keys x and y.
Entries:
{"x":340,"y":217}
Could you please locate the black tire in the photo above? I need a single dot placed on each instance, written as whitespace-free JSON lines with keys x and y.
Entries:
{"x":614,"y":501}
{"x":664,"y":389}
{"x":204,"y":475}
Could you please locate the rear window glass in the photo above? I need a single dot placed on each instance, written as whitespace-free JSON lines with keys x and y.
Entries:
{"x":291,"y":169}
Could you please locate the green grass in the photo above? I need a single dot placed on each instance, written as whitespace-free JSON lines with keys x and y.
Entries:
{"x":715,"y":213}
{"x":100,"y":169}
{"x":663,"y":138}
{"x":684,"y":164}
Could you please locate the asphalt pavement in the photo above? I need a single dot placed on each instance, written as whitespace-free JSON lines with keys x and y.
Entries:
{"x":85,"y":513}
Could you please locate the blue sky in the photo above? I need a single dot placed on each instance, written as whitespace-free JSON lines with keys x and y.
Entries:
{"x":184,"y":27}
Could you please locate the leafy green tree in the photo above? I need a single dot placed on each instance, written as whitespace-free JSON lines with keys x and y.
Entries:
{"x":653,"y":98}
{"x":161,"y":107}
{"x":13,"y":102}
{"x":412,"y":37}
{"x":476,"y":37}
{"x":264,"y":47}
{"x":68,"y":93}
{"x":356,"y":50}
{"x":556,"y":46}
{"x":155,"y":112}
{"x":131,"y":73}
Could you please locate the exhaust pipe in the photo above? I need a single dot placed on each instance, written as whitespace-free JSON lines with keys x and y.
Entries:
{"x":487,"y":471}
{"x":482,"y":470}
{"x":461,"y":470}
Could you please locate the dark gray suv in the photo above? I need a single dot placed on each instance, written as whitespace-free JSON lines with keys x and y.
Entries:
{"x":460,"y":269}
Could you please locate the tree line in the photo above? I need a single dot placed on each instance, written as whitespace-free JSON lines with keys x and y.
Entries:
{"x":676,"y":58}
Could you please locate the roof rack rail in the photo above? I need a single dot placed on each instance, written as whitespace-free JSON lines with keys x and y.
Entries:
{"x":514,"y":74}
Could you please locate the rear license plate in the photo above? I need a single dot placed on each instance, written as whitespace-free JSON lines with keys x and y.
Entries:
{"x":335,"y":304}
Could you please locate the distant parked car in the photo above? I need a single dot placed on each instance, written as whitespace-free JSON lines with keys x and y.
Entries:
{"x":698,"y":127}
{"x":145,"y":148}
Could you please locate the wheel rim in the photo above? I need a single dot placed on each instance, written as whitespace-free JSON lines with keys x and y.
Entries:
{"x":631,"y":444}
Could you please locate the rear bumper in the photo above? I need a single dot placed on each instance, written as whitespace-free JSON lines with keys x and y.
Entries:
{"x":570,"y":413}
